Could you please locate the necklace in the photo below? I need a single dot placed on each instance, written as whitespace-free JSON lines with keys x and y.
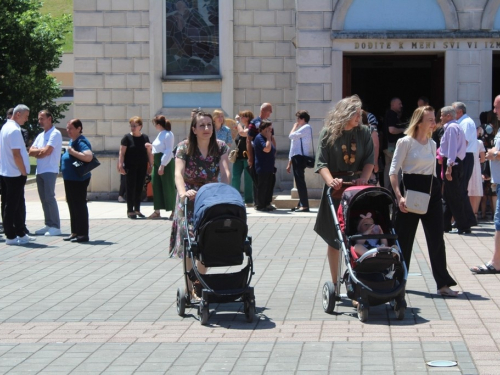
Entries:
{"x":351,"y":157}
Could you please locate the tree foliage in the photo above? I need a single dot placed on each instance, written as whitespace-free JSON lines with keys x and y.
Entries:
{"x":30,"y":47}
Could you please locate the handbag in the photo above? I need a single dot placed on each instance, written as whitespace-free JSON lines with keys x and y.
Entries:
{"x":233,"y":155}
{"x":83,"y":168}
{"x":416,"y":201}
{"x":310,"y":161}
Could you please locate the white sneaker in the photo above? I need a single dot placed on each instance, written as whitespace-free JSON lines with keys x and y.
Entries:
{"x":42,"y":231}
{"x":14,"y":241}
{"x":25,"y":239}
{"x":121,"y":199}
{"x":53,"y":232}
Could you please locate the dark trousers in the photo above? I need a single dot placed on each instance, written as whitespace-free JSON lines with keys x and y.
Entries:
{"x":14,"y":215}
{"x":123,"y":185}
{"x":265,"y":189}
{"x":468,"y":165}
{"x":406,"y":226}
{"x":454,"y":202}
{"x":299,"y":166}
{"x":135,"y":183}
{"x":76,"y":196}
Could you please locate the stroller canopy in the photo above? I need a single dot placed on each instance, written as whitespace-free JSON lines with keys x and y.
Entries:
{"x":217,"y":199}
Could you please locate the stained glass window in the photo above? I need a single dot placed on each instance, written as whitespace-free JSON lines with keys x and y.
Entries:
{"x":192,"y":37}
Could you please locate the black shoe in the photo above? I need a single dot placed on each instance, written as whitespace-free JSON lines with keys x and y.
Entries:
{"x":80,"y":239}
{"x":271,"y":207}
{"x":294,"y":209}
{"x":70,"y":237}
{"x":464,"y":231}
{"x":302,"y":210}
{"x":264,"y":209}
{"x":454,"y":224}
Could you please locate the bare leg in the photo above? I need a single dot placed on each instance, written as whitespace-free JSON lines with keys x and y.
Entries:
{"x":474,"y":202}
{"x":333,"y":261}
{"x":495,"y":261}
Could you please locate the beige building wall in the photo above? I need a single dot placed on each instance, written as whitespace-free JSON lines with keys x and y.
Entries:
{"x":278,"y":51}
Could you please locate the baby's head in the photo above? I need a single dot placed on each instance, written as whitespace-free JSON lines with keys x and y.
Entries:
{"x":365,"y":223}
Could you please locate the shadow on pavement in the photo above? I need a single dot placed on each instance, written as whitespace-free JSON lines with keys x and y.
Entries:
{"x":97,"y":242}
{"x":468,"y":295}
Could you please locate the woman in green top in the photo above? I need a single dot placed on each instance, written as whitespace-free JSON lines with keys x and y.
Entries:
{"x":344,"y":146}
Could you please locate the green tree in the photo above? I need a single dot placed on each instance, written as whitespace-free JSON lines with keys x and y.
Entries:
{"x":30,"y":47}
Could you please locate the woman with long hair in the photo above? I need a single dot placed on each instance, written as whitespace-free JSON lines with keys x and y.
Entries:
{"x":133,"y":163}
{"x":198,"y":161}
{"x":415,"y":155}
{"x":163,"y":168}
{"x":344,"y":146}
{"x":222,"y":132}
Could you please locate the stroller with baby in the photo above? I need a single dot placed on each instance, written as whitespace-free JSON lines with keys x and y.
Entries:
{"x":379,"y":275}
{"x":219,"y":240}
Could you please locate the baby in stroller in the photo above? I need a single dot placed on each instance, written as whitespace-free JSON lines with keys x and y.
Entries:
{"x":367,"y":226}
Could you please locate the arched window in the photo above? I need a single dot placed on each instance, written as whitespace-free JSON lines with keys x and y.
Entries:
{"x":394,"y":15}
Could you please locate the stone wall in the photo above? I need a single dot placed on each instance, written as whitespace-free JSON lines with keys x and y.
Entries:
{"x":111,"y":62}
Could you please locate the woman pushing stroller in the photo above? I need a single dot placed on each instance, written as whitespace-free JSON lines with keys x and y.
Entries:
{"x":198,"y":161}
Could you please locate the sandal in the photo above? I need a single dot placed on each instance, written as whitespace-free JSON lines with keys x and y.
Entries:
{"x":132,"y":215}
{"x":485,"y":269}
{"x":302,"y":209}
{"x":154,"y":215}
{"x":447,"y":292}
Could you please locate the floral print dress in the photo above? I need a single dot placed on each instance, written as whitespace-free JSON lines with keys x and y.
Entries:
{"x":198,"y":172}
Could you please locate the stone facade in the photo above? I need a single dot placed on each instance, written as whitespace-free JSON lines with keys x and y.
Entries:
{"x":287,"y":52}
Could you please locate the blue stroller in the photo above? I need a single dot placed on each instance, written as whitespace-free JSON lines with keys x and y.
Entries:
{"x":219,"y":240}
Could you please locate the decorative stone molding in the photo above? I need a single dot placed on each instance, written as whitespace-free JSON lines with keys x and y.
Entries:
{"x":447,"y":6}
{"x":489,"y":14}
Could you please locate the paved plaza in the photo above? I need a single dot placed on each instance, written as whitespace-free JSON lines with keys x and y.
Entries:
{"x":108,"y":306}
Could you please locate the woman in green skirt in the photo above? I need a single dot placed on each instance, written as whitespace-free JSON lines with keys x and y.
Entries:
{"x":163,"y":170}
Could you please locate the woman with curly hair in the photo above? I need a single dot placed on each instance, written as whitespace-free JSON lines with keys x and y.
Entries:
{"x":344,"y":146}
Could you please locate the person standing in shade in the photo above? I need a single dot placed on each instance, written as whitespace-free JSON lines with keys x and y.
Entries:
{"x":392,"y":131}
{"x":164,"y":168}
{"x":47,"y":150}
{"x":133,"y":162}
{"x":469,"y":128}
{"x":453,"y":152}
{"x":300,"y":147}
{"x":241,"y":163}
{"x":14,"y":169}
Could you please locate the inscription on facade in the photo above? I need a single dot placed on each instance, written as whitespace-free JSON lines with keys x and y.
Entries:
{"x":422,"y":45}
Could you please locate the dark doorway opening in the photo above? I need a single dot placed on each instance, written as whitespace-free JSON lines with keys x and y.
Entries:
{"x":379,"y":78}
{"x":495,"y":77}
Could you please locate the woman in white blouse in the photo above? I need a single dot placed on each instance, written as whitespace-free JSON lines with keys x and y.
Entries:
{"x":163,"y":171}
{"x":301,"y":137}
{"x":415,"y":154}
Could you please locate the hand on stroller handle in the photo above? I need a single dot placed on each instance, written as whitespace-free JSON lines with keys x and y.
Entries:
{"x":189,"y":194}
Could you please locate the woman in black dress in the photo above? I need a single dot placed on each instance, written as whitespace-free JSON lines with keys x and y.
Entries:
{"x":133,"y":163}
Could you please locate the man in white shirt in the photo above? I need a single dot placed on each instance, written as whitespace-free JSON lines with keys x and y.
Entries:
{"x":469,"y":127}
{"x":47,"y":150}
{"x":14,"y":169}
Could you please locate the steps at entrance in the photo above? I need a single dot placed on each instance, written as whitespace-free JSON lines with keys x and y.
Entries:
{"x":286,"y":201}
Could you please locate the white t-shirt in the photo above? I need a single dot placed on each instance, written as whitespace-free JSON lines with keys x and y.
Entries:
{"x":11,"y":138}
{"x":303,"y":133}
{"x":49,"y":164}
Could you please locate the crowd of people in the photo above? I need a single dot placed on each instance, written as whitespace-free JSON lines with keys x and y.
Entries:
{"x":443,"y":156}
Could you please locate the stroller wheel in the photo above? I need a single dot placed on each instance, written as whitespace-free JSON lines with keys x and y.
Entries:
{"x":328,"y":295}
{"x":249,"y":307}
{"x":203,"y":313}
{"x":363,"y":312}
{"x":181,"y":301}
